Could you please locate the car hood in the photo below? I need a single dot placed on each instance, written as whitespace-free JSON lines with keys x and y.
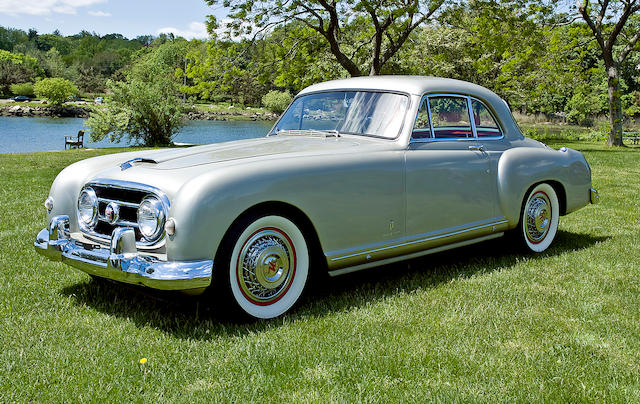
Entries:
{"x":246,"y":149}
{"x":170,"y":169}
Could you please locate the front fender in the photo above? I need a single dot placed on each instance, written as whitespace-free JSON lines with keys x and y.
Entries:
{"x":348,"y":200}
{"x":520,"y":168}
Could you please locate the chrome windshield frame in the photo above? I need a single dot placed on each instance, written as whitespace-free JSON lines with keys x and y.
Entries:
{"x":273,"y":131}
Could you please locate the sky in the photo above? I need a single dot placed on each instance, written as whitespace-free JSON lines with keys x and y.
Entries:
{"x":130,"y":18}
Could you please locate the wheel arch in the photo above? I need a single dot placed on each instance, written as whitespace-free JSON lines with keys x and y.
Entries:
{"x":557,"y":187}
{"x":291,"y":212}
{"x":561,"y":193}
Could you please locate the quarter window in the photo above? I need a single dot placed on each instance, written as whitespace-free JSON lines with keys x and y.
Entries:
{"x":450,"y":117}
{"x":422,"y":129}
{"x":486,"y":125}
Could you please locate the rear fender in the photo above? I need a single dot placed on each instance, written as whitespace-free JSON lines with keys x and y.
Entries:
{"x":522,"y":167}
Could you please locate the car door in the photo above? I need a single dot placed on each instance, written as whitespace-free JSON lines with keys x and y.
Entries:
{"x":450,"y":184}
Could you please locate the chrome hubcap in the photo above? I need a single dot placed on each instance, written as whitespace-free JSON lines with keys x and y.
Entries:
{"x":266,"y":266}
{"x":538,"y":217}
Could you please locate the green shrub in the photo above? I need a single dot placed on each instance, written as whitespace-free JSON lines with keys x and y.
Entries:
{"x":149,"y":113}
{"x":22,"y":89}
{"x":277,"y":101}
{"x":56,"y":90}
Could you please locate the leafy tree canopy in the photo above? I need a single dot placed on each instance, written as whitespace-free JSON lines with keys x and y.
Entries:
{"x":384,"y":25}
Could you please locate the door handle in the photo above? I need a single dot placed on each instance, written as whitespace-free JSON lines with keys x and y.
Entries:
{"x":479,"y":148}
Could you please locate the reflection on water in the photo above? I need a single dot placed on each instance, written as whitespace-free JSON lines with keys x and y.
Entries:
{"x":20,"y":135}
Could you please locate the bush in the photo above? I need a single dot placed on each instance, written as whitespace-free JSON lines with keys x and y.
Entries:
{"x":22,"y":89}
{"x":146,"y":112}
{"x":277,"y":101}
{"x":56,"y":90}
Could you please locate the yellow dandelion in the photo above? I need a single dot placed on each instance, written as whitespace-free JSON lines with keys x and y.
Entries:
{"x":143,"y":361}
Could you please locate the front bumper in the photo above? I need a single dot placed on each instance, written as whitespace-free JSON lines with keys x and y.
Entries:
{"x":121,"y":262}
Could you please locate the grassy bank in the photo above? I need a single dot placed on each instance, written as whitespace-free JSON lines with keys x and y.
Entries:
{"x":474,"y":324}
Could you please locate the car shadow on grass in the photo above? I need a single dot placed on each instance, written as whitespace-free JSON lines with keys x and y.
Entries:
{"x":192,"y":318}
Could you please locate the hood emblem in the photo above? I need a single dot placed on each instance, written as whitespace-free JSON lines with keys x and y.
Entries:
{"x":112,"y":213}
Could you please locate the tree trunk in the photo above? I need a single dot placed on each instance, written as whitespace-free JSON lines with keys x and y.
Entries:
{"x":615,"y":106}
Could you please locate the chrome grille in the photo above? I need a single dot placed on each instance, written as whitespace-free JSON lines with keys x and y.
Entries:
{"x":128,"y":196}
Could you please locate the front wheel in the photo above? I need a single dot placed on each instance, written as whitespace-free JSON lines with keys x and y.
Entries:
{"x":268,"y":266}
{"x":539,"y":219}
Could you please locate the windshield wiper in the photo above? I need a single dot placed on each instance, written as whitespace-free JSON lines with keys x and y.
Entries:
{"x":308,"y":132}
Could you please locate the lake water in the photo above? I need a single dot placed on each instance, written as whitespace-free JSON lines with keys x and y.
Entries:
{"x":20,"y":135}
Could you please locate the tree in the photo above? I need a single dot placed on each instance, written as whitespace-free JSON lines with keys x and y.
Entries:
{"x":616,"y":31}
{"x":17,"y":68}
{"x":57,"y":90}
{"x":145,"y":112}
{"x":387,"y":24}
{"x":10,"y":37}
{"x":296,"y":57}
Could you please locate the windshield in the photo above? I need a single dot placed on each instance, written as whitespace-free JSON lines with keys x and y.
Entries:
{"x":346,"y":112}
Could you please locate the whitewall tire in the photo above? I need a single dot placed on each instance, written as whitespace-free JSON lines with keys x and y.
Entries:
{"x":539,"y":219}
{"x":268,"y":267}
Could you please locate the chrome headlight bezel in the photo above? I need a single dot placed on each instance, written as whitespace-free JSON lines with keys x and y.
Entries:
{"x":87,"y":202}
{"x":48,"y":204}
{"x":151,"y":218}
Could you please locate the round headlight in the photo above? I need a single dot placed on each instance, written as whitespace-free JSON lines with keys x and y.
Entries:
{"x":88,"y":207}
{"x":151,"y":218}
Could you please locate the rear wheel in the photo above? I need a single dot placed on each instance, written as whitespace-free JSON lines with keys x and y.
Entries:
{"x":539,"y":219}
{"x":268,"y":266}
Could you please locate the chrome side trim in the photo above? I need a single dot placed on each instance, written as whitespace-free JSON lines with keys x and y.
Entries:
{"x":429,"y":240}
{"x":120,"y":261}
{"x":355,"y":268}
{"x":422,"y":240}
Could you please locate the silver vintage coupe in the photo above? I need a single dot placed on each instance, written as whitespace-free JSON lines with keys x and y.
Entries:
{"x":356,"y":173}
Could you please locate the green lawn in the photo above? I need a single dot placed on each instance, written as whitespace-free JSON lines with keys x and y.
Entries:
{"x":474,"y":324}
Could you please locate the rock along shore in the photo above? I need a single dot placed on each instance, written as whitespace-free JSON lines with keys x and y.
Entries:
{"x":76,"y":111}
{"x":67,"y":111}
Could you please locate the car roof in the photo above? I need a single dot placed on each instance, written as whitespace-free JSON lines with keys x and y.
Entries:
{"x":416,"y":85}
{"x":419,"y":85}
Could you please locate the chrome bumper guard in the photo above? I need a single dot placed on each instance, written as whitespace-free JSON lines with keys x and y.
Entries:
{"x":594,"y":197}
{"x":121,"y":262}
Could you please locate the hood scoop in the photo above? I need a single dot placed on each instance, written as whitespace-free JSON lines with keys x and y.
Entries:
{"x":129,"y":163}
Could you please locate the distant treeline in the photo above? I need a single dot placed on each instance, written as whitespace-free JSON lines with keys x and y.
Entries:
{"x":87,"y":59}
{"x":538,"y":69}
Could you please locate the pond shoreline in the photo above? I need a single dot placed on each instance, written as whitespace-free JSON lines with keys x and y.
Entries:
{"x":76,"y":111}
{"x":43,"y":133}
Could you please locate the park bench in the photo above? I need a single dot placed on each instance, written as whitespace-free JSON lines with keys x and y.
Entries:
{"x":77,"y":141}
{"x":633,"y":137}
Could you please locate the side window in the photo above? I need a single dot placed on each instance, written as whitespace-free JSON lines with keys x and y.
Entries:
{"x":421,"y":129}
{"x":450,"y":117}
{"x":486,"y":126}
